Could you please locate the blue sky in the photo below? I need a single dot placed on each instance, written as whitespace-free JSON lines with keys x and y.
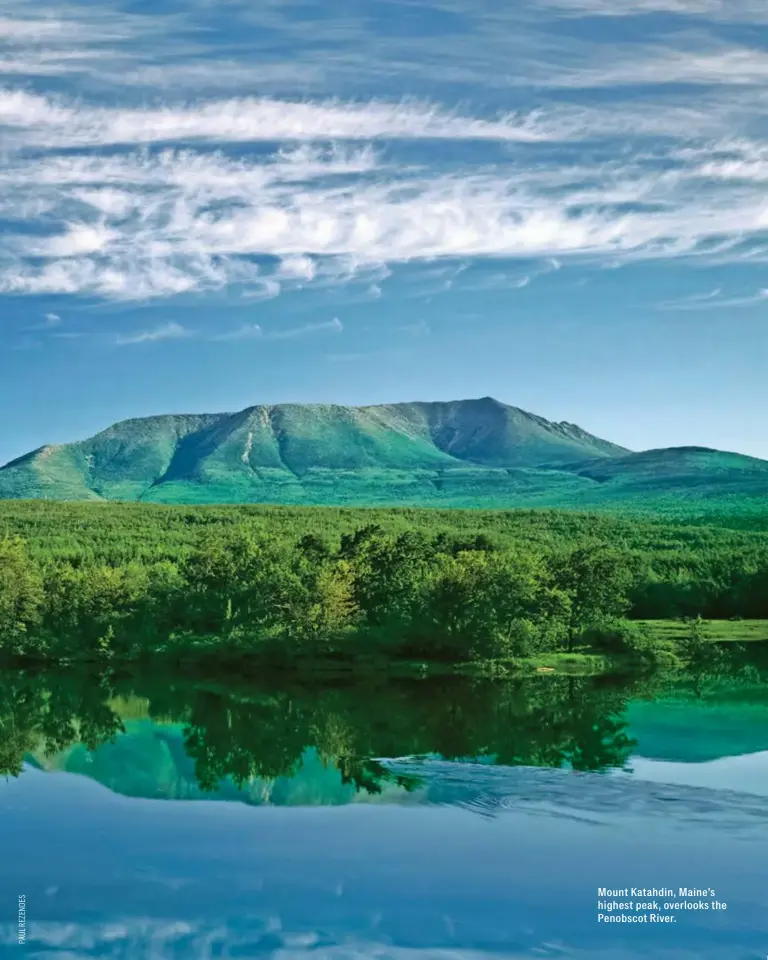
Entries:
{"x":560,"y":203}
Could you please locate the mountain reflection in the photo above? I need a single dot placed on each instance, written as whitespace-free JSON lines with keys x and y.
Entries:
{"x":281,"y":741}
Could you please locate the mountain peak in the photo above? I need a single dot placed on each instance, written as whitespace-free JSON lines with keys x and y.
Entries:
{"x":477,"y":452}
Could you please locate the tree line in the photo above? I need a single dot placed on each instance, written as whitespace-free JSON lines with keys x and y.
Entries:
{"x":429,"y":593}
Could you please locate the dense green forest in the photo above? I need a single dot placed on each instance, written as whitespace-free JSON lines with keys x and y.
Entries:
{"x":121,"y":580}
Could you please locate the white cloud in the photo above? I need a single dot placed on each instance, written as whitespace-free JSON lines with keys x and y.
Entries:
{"x":123,"y":279}
{"x":46,"y":64}
{"x":32,"y":29}
{"x":168,"y":331}
{"x":49,"y":322}
{"x":694,"y":299}
{"x":298,"y":268}
{"x":713,"y":300}
{"x":79,"y":240}
{"x":742,"y":160}
{"x":267,"y":193}
{"x":258,"y":288}
{"x":218,"y":75}
{"x":50,"y":122}
{"x":248,"y":331}
{"x":294,"y":333}
{"x":659,"y":66}
{"x":149,"y":226}
{"x":733,"y":10}
{"x":151,"y":937}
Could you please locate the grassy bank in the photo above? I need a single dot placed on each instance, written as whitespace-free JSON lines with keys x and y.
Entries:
{"x":742,"y":631}
{"x":671,"y":650}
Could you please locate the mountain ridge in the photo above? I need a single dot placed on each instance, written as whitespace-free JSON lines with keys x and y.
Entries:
{"x":476,"y":452}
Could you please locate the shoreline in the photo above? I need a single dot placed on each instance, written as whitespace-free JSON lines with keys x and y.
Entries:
{"x":580,"y":662}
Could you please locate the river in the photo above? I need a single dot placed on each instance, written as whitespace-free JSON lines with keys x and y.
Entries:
{"x":171,"y":816}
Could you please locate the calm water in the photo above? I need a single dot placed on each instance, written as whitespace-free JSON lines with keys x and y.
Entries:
{"x":164,"y":817}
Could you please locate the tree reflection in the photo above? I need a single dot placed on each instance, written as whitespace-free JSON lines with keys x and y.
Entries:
{"x":241,"y":734}
{"x":238,"y":733}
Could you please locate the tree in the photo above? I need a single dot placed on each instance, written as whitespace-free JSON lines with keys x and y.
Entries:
{"x":697,"y":648}
{"x":21,"y":595}
{"x":596,"y":580}
{"x":483,"y":604}
{"x":313,"y":548}
{"x":389,"y":574}
{"x":322,"y":603}
{"x":355,"y":544}
{"x":237,"y":580}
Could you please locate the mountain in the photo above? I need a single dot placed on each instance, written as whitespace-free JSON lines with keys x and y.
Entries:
{"x":150,"y":760}
{"x":460,"y":453}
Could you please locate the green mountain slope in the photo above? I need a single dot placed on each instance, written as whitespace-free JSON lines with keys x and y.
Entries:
{"x":149,"y":760}
{"x":678,"y":478}
{"x":460,"y":453}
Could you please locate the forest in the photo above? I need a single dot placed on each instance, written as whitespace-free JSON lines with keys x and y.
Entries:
{"x":83,"y":581}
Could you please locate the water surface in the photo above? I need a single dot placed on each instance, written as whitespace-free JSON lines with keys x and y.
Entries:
{"x":449,"y":818}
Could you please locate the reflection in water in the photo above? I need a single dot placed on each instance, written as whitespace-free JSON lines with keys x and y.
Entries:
{"x":443,"y":819}
{"x":165,"y":737}
{"x":278,"y":741}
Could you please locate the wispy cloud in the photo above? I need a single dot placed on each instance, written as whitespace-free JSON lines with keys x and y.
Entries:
{"x":51,"y":122}
{"x":693,"y":299}
{"x":254,"y":331}
{"x":133,"y":227}
{"x":147,"y":936}
{"x":294,"y":333}
{"x":168,"y":331}
{"x":248,"y":331}
{"x":713,"y":300}
{"x":418,"y":329}
{"x":713,"y":64}
{"x":731,"y":10}
{"x":510,"y":277}
{"x":229,"y":176}
{"x":49,"y":322}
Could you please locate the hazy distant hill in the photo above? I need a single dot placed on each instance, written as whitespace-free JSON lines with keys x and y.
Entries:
{"x":460,"y":453}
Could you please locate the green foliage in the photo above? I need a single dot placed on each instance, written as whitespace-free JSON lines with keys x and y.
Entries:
{"x":21,"y":594}
{"x":487,"y":605}
{"x":102,"y":581}
{"x":625,"y":637}
{"x":696,"y":646}
{"x":696,"y":629}
{"x":596,"y":581}
{"x":234,"y":578}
